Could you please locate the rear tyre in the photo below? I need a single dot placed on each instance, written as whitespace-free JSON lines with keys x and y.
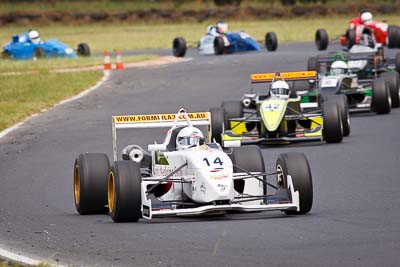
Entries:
{"x":312,"y":64}
{"x":233,"y":109}
{"x":271,"y":41}
{"x":179,"y":47}
{"x":39,"y":53}
{"x":341,"y":101}
{"x":83,"y":50}
{"x":392,"y":81}
{"x":217,"y":124}
{"x":90,"y":183}
{"x":332,"y":123}
{"x":219,"y":45}
{"x":397,"y":62}
{"x":381,"y":102}
{"x":321,"y":39}
{"x":350,"y":38}
{"x":124,"y":191}
{"x":248,"y":158}
{"x":393,"y":35}
{"x":296,"y":165}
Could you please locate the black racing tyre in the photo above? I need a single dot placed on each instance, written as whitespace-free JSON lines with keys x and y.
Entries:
{"x":179,"y":47}
{"x":271,"y":41}
{"x":381,"y":101}
{"x":393,"y":35}
{"x":321,"y":39}
{"x":124,"y":191}
{"x":350,"y":38}
{"x":397,"y":62}
{"x":232,"y":109}
{"x":39,"y":53}
{"x":296,"y":165}
{"x":312,"y":64}
{"x":332,"y":123}
{"x":219,"y":45}
{"x":250,"y":159}
{"x":5,"y":55}
{"x":392,"y":81}
{"x":90,"y":183}
{"x":217,"y":124}
{"x":83,"y":50}
{"x":341,"y":101}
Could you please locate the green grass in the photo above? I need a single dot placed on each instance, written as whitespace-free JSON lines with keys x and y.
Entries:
{"x":57,"y":63}
{"x":141,"y":36}
{"x":21,"y":96}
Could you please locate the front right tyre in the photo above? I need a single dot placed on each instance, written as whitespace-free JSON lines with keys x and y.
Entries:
{"x":332,"y":123}
{"x":296,"y":165}
{"x":124,"y":191}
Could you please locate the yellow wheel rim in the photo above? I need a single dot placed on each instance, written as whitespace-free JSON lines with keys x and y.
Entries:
{"x":111,"y":192}
{"x":77,"y":185}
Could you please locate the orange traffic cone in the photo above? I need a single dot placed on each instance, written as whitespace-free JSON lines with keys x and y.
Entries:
{"x":107,"y":61}
{"x":119,"y":65}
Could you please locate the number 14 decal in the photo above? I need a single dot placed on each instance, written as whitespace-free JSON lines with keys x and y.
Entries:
{"x":217,"y":160}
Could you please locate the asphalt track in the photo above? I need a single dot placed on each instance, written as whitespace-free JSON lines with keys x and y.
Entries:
{"x":354,"y":221}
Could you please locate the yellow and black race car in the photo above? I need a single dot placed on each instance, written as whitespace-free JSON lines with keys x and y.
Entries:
{"x":271,"y":114}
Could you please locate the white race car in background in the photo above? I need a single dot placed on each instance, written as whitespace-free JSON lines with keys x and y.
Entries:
{"x":202,"y":179}
{"x":215,"y":43}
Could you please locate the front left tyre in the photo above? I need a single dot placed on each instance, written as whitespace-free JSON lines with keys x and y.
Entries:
{"x":296,"y":165}
{"x":90,"y":183}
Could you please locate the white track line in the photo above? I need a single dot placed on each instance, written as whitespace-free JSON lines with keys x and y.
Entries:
{"x":10,"y":256}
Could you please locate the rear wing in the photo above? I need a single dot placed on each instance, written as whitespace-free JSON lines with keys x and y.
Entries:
{"x":159,"y":121}
{"x":287,"y":76}
{"x":329,"y":58}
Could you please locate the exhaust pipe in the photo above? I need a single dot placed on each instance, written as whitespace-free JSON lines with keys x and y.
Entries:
{"x":137,"y":154}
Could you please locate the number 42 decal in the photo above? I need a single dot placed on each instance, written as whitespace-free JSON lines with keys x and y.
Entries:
{"x":217,"y":160}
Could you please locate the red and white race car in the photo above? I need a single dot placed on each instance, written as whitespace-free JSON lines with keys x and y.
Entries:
{"x":385,"y":34}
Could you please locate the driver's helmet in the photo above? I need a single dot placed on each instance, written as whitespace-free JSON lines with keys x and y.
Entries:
{"x":366,"y":17}
{"x":188,"y":137}
{"x":280,"y":89}
{"x":222,"y":27}
{"x":34,"y":36}
{"x":339,"y":67}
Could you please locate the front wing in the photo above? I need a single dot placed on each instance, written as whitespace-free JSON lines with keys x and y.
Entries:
{"x":239,"y":132}
{"x":274,"y":202}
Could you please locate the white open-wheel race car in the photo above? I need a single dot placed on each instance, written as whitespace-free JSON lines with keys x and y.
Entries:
{"x":187,"y":175}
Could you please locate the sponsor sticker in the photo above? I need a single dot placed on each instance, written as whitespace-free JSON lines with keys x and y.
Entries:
{"x":285,"y":75}
{"x":158,"y":117}
{"x":146,"y":210}
{"x":329,"y":82}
